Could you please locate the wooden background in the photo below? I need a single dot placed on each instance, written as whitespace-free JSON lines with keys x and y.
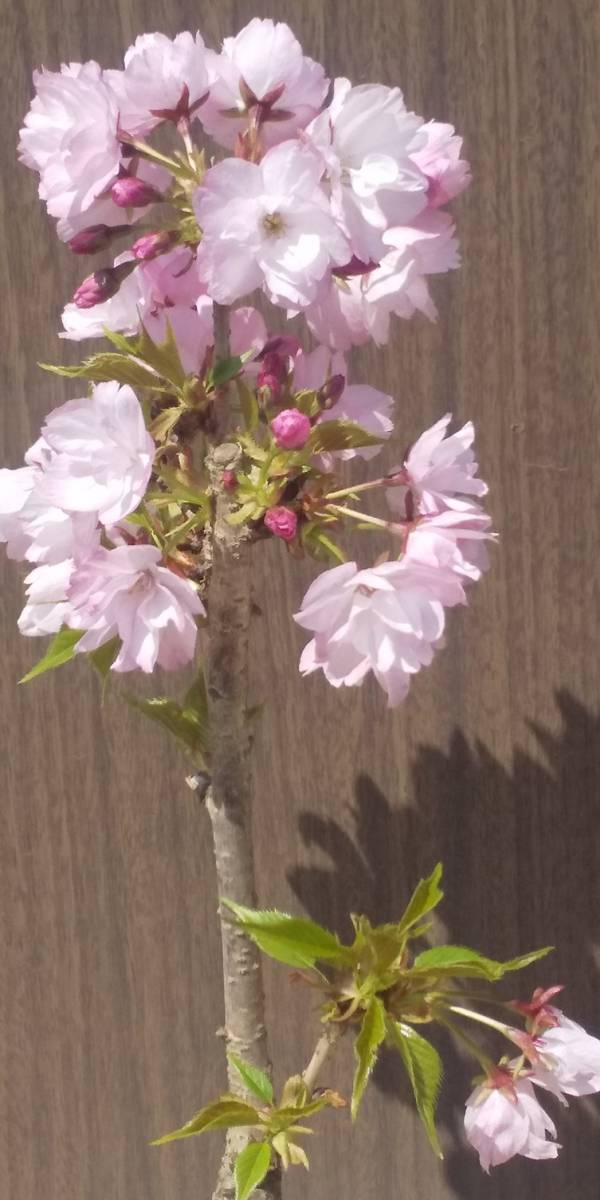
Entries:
{"x":109,"y":957}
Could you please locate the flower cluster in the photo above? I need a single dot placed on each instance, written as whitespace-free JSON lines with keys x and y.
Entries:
{"x":504,"y":1116}
{"x":330,"y":201}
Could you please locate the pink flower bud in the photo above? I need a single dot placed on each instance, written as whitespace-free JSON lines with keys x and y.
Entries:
{"x":291,"y":429}
{"x":131,"y":192}
{"x":281,"y":522}
{"x":96,"y":237}
{"x":270,"y":382}
{"x":229,"y":481}
{"x":281,"y":344}
{"x":332,"y":391}
{"x":102,"y":285}
{"x":273,"y":364}
{"x":150,"y":245}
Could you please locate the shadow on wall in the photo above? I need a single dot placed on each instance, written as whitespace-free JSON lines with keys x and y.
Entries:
{"x":521,"y":852}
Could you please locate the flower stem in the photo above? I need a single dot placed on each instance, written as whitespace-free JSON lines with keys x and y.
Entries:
{"x":482,"y":1019}
{"x":359,"y":487}
{"x":376,"y":522}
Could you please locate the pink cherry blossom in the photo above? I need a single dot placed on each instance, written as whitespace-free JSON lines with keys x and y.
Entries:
{"x":569,"y":1058}
{"x":15,"y":490}
{"x":127,"y":593}
{"x":453,"y":540}
{"x":47,"y":608}
{"x":503,"y":1118}
{"x":441,"y":471}
{"x":101,"y":454}
{"x":70,"y":137}
{"x":437,"y":154}
{"x":161,"y":75}
{"x":365,"y":137}
{"x":262,"y":74}
{"x":192,"y":329}
{"x":267,"y":224}
{"x":387,"y":619}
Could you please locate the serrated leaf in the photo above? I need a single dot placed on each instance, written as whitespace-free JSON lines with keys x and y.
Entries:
{"x":424,"y":1068}
{"x":103,"y":658}
{"x":464,"y":963}
{"x":251,"y":1166}
{"x":61,"y":650}
{"x":180,"y":722}
{"x":224,"y":370}
{"x":161,"y":425}
{"x":340,"y":435}
{"x":366,"y":1045}
{"x":253,"y":1078}
{"x":223,"y":1114}
{"x":162,"y":356}
{"x":108,"y":366}
{"x":424,"y":899}
{"x":296,"y":941}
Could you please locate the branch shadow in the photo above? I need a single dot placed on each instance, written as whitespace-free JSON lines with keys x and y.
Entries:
{"x":521,"y":851}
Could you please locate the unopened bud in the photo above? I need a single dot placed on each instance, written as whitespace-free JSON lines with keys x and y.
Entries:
{"x":150,"y":245}
{"x":283,"y":344}
{"x":229,"y":481}
{"x":94,"y":238}
{"x":332,"y":391}
{"x":291,"y":429}
{"x":132,"y":192}
{"x":281,"y":522}
{"x":102,"y":285}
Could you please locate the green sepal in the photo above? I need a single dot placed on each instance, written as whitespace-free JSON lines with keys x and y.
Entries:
{"x":223,"y":1114}
{"x":253,"y":1078}
{"x":424,"y":1068}
{"x":366,"y":1045}
{"x":61,"y":650}
{"x":251,"y":1166}
{"x":464,"y":963}
{"x":295,"y":941}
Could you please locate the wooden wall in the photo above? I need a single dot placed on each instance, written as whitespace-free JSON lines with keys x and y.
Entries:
{"x":109,"y":952}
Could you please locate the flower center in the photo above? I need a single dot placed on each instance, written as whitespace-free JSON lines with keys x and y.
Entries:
{"x":273,"y":224}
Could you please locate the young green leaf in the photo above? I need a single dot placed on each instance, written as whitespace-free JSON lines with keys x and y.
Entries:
{"x":464,"y":963}
{"x":253,"y":1079}
{"x":425,"y":897}
{"x":61,"y":650}
{"x":295,"y":941}
{"x":103,"y":658}
{"x":340,"y":435}
{"x":370,"y":1037}
{"x":424,"y":1068}
{"x":163,"y":357}
{"x":182,"y":723}
{"x":251,"y":1166}
{"x":223,"y":1114}
{"x":224,"y":370}
{"x":102,"y":368}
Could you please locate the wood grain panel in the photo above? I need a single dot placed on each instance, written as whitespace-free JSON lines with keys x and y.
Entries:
{"x":109,"y":960}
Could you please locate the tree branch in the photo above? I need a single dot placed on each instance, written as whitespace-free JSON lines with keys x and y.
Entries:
{"x":228,"y":799}
{"x":323,"y":1049}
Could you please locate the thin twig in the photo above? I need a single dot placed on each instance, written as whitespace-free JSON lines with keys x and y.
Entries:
{"x":322,"y":1051}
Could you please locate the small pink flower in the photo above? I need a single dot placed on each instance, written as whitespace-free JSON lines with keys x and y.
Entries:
{"x":267,"y":224}
{"x":281,"y":522}
{"x":387,"y":619}
{"x":437,"y":154}
{"x":47,"y":608}
{"x":569,"y":1058}
{"x":70,"y":137}
{"x":129,"y":191}
{"x":161,"y":76}
{"x":503,"y":1118}
{"x":262,"y":74}
{"x":128,"y":593}
{"x":441,"y":471}
{"x":453,"y":540}
{"x":291,"y":429}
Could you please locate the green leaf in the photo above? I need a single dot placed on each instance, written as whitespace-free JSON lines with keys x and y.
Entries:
{"x":102,"y":368}
{"x":251,"y":1166}
{"x":424,"y":1067}
{"x":183,"y":723}
{"x":162,"y":425}
{"x":340,"y":435}
{"x":254,"y":1079}
{"x":223,"y":1114}
{"x":425,"y":897}
{"x":61,"y":650}
{"x":163,"y":357}
{"x":103,"y":658}
{"x":224,"y":370}
{"x":295,"y":941}
{"x":366,"y":1045}
{"x":463,"y":962}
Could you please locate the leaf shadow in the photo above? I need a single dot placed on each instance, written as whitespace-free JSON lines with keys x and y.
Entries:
{"x":521,"y":852}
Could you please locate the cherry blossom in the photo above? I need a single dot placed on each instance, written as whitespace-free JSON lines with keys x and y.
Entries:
{"x":101,"y":454}
{"x":162,"y":76}
{"x":387,"y":619}
{"x":127,"y":593}
{"x":569,"y":1058}
{"x":70,"y":137}
{"x":441,"y":470}
{"x":436,"y":152}
{"x":47,"y":608}
{"x":503,"y":1118}
{"x":262,"y":76}
{"x":365,"y":136}
{"x":452,"y":540}
{"x":267,"y":223}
